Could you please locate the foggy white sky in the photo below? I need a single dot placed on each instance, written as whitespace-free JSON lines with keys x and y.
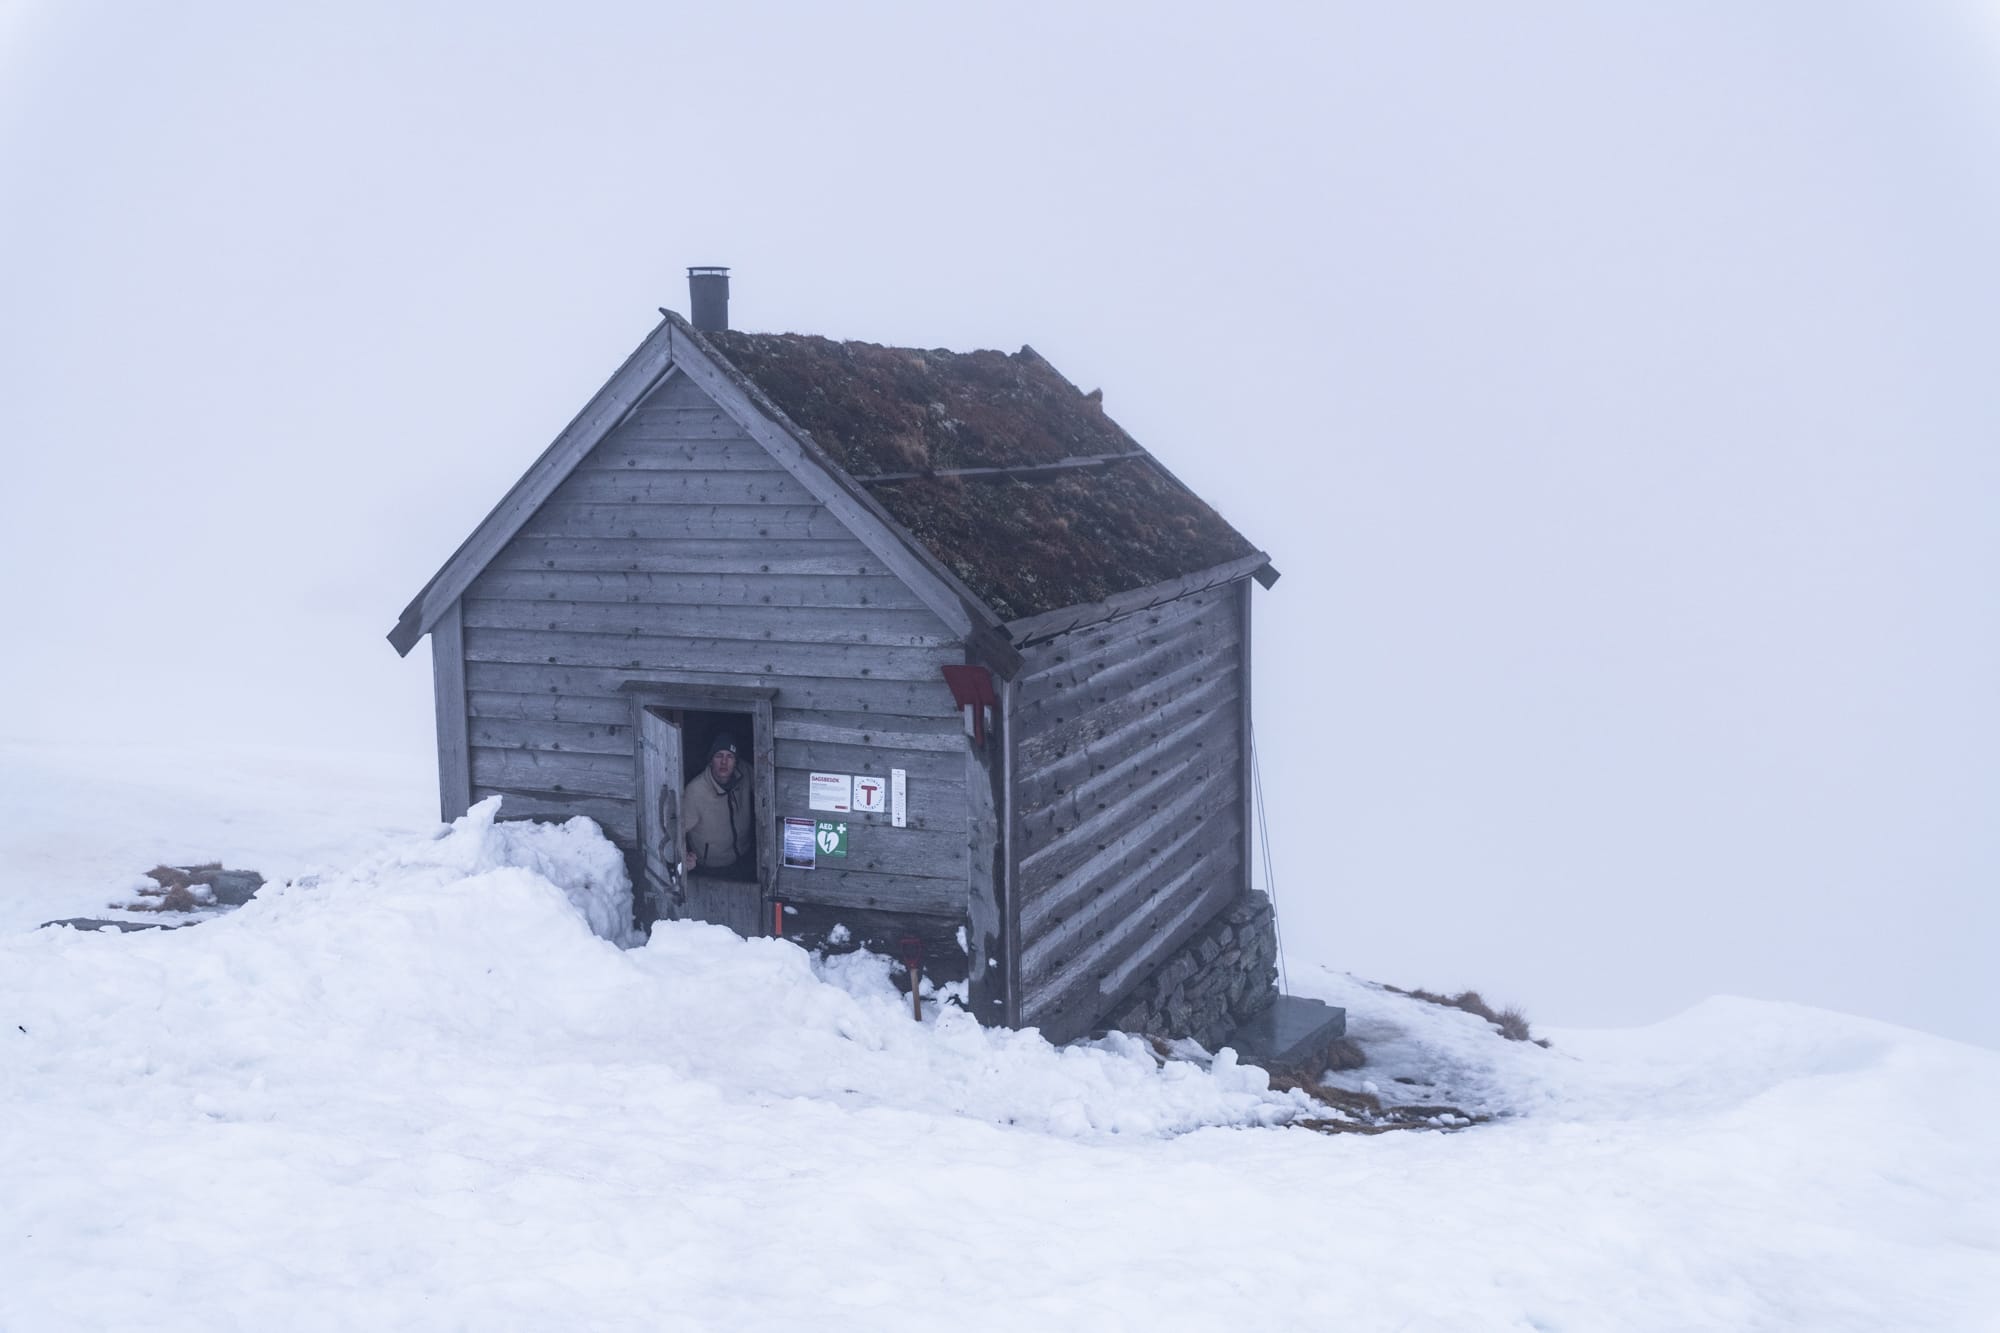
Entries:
{"x":1614,"y":389}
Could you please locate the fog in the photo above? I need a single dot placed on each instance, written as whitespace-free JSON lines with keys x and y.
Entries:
{"x":1613,"y":387}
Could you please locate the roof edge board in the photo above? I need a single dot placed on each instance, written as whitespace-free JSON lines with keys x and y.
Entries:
{"x":645,"y":368}
{"x":1029,"y":630}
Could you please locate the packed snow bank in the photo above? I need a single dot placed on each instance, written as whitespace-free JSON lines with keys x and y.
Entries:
{"x":1723,"y":1055}
{"x":484,"y":937}
{"x":422,"y":1094}
{"x":575,"y":856}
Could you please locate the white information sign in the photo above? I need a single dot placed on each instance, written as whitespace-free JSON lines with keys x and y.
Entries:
{"x":899,"y":802}
{"x":871,"y":795}
{"x":830,"y":791}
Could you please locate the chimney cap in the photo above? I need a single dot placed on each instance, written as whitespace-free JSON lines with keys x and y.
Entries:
{"x":703,"y":270}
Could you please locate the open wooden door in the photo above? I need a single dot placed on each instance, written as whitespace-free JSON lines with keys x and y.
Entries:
{"x":660,"y":808}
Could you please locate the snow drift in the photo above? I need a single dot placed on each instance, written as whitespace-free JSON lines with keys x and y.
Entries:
{"x":432,"y":1092}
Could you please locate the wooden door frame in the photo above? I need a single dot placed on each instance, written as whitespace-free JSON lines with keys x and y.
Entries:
{"x":701,"y":698}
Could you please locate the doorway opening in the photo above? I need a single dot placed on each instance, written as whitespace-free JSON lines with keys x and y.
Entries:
{"x":718,"y":815}
{"x":704,"y":802}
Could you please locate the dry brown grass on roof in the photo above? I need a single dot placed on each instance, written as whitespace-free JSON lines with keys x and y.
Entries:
{"x":882,"y":409}
{"x":1033,"y":544}
{"x":1024,"y":545}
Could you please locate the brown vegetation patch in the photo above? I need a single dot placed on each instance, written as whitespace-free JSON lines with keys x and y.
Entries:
{"x":1510,"y":1021}
{"x":1023,"y":543}
{"x":1031,"y":544}
{"x":908,"y":409}
{"x":1365,"y":1113}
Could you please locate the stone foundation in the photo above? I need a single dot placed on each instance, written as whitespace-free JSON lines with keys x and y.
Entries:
{"x":1223,"y":977}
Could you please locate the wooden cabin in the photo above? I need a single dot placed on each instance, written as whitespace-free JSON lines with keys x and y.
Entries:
{"x":950,"y":575}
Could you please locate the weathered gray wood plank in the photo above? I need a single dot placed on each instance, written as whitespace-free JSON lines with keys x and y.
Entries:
{"x":552,"y":707}
{"x":649,"y":451}
{"x":875,"y":760}
{"x":555,"y":772}
{"x":731,"y":589}
{"x":1192,"y":751}
{"x":875,"y":733}
{"x":1069,"y":1010}
{"x":618,"y":818}
{"x":745,"y":557}
{"x":715,"y":522}
{"x":689,"y":487}
{"x":1055,"y":875}
{"x":1172,"y":870}
{"x":449,"y":699}
{"x":1100,"y":674}
{"x":1114,"y":732}
{"x":872,"y":892}
{"x":896,"y":697}
{"x":1163,"y":742}
{"x":1056,"y":869}
{"x":681,"y":423}
{"x":667,"y":556}
{"x":518,"y":733}
{"x":1008,"y":864}
{"x":881,"y":626}
{"x":1119,"y":637}
{"x":671,"y":654}
{"x":812,"y":926}
{"x":679,"y":392}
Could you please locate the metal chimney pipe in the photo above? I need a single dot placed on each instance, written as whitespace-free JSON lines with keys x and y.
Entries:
{"x":708,"y":298}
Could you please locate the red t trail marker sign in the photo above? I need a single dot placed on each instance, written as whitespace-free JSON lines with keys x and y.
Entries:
{"x":871,"y":795}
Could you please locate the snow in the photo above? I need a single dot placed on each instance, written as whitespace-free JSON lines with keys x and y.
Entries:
{"x":421,"y":1085}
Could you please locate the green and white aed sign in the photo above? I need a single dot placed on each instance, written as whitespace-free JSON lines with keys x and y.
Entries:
{"x":832,"y":838}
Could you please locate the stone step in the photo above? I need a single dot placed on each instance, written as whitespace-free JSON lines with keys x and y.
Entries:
{"x":1292,"y":1036}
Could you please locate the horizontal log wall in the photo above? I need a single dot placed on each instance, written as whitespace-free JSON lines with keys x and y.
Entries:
{"x":679,"y":552}
{"x":1129,"y":764}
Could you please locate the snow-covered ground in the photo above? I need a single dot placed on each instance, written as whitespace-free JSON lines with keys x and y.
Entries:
{"x":412,"y":1089}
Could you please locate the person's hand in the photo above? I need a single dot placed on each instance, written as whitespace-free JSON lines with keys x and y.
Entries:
{"x":688,"y":864}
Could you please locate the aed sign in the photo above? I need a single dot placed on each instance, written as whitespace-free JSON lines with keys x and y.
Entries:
{"x":871,"y":795}
{"x":831,"y":838}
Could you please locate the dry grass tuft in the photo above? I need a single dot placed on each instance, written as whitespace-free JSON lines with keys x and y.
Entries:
{"x":1345,"y":1054}
{"x":1511,"y":1022}
{"x":1514,"y":1024}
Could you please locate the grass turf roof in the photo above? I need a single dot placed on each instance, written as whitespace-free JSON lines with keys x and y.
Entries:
{"x":1025,"y":543}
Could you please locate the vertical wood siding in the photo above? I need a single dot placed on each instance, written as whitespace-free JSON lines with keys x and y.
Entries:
{"x":1130,"y":771}
{"x":679,"y":551}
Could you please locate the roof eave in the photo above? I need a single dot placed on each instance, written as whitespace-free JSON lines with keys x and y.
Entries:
{"x":1044,"y":625}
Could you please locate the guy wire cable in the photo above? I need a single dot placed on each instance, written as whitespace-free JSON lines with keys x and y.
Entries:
{"x":1264,"y":845}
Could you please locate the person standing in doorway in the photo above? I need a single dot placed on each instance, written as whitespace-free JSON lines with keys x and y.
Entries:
{"x":717,"y":820}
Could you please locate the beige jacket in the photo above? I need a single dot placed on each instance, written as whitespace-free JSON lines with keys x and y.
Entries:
{"x":718,"y":826}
